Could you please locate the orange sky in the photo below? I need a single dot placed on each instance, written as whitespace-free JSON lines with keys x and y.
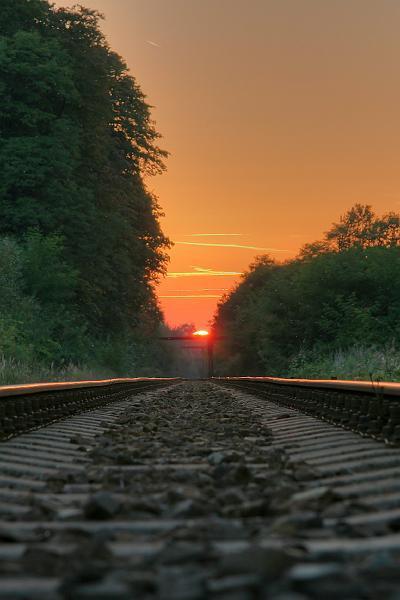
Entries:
{"x":279,"y":115}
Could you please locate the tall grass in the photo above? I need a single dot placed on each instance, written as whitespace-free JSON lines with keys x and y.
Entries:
{"x":358,"y":362}
{"x":14,"y":372}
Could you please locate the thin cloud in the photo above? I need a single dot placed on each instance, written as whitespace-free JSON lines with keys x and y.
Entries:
{"x":197,"y":268}
{"x":238,"y":246}
{"x":153,"y":44}
{"x":202,"y":272}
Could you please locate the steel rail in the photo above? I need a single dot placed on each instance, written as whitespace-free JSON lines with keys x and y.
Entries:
{"x":368,"y":408}
{"x":385,"y":388}
{"x":27,"y":407}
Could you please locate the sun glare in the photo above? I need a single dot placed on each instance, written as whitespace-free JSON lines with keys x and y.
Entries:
{"x":201,"y":332}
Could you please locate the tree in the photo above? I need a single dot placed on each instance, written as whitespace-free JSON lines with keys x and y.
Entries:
{"x":76,"y":144}
{"x":336,"y":294}
{"x":360,"y":227}
{"x":24,"y":15}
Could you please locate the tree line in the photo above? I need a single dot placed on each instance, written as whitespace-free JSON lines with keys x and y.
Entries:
{"x":80,"y":239}
{"x":334,"y":310}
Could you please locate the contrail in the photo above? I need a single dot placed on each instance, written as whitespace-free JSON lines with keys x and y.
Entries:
{"x":153,"y":44}
{"x":240,"y":246}
{"x":205,"y":273}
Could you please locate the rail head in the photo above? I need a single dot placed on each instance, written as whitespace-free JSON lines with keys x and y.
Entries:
{"x":31,"y":406}
{"x":60,"y":386}
{"x":381,"y":388}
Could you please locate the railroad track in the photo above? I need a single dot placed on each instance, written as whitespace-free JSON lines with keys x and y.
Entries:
{"x":26,"y":407}
{"x":200,"y":490}
{"x":354,"y":466}
{"x":371,"y":409}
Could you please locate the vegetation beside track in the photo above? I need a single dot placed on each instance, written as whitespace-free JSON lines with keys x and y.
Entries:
{"x":333,"y":311}
{"x":80,"y":240}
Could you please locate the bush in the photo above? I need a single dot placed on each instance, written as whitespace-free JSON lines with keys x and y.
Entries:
{"x":335,"y":306}
{"x":358,"y":362}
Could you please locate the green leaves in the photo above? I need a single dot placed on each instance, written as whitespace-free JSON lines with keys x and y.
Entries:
{"x":24,"y":15}
{"x":359,"y":227}
{"x":327,"y":301}
{"x":47,"y":276}
{"x":76,"y":142}
{"x":36,"y":82}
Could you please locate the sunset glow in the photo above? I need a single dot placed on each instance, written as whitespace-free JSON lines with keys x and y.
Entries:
{"x":278,"y":120}
{"x":192,"y":296}
{"x":201,"y":333}
{"x":213,"y":234}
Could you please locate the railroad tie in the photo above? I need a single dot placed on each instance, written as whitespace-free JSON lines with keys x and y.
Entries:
{"x":198,"y":490}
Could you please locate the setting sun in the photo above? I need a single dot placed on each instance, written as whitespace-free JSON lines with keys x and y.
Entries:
{"x":201,"y":333}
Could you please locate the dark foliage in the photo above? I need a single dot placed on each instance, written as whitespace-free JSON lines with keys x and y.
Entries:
{"x":76,"y":142}
{"x":339,"y":293}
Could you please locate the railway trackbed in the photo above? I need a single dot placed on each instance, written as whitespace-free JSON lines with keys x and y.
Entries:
{"x":198,"y":490}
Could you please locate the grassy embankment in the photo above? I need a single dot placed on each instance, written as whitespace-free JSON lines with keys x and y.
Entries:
{"x":357,"y":363}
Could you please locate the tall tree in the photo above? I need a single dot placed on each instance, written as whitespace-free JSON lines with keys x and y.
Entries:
{"x":76,"y":143}
{"x":360,"y":227}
